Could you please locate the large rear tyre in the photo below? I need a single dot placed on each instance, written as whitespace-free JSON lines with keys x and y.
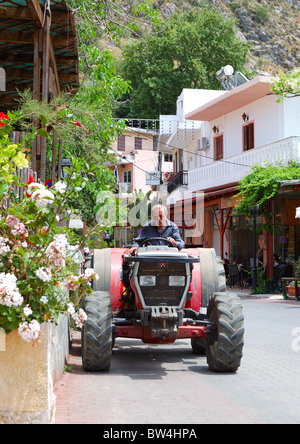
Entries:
{"x":96,"y":337}
{"x":212,"y":274}
{"x":102,"y":266}
{"x":224,"y":349}
{"x":212,"y":281}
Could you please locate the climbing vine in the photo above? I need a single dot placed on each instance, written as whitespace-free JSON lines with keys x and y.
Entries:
{"x":261,"y":185}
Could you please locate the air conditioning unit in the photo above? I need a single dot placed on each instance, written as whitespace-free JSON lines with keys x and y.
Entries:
{"x":203,"y":144}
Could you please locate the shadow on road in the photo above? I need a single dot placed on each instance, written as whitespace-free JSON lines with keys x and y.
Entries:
{"x":140,"y":361}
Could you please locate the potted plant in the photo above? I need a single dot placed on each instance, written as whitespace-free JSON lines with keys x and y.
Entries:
{"x":292,"y":289}
{"x":292,"y":286}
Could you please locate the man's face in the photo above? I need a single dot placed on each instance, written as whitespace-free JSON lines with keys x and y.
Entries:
{"x":159,"y":218}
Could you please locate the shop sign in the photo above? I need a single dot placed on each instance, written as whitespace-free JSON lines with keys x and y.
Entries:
{"x":153,"y":178}
{"x":230,"y":202}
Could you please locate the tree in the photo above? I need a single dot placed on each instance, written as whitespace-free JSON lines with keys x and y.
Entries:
{"x":287,"y":85}
{"x":91,"y":109}
{"x":183,"y":51}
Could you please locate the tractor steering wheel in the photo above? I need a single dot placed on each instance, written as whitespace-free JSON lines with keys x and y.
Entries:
{"x":146,"y":242}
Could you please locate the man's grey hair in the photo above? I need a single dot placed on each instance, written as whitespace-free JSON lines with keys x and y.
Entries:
{"x":160,"y":207}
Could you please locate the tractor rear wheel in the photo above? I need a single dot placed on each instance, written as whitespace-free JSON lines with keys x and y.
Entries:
{"x":212,"y":281}
{"x":96,"y":338}
{"x":224,"y":349}
{"x":212,"y":274}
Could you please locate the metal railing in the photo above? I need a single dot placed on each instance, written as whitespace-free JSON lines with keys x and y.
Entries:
{"x":180,"y":180}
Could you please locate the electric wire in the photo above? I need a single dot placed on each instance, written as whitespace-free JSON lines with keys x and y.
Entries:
{"x":178,"y":148}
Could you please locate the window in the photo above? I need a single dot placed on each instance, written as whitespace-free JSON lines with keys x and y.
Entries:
{"x":127,"y":177}
{"x":121,"y":143}
{"x":138,"y":143}
{"x":218,"y":148}
{"x":248,"y":136}
{"x":127,"y":186}
{"x":168,"y":157}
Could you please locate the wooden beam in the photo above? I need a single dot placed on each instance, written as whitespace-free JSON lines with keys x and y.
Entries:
{"x":36,"y":12}
{"x":21,"y":13}
{"x":15,"y":12}
{"x":45,"y":88}
{"x":53,"y":167}
{"x":37,"y":62}
{"x":21,"y":37}
{"x":16,"y":37}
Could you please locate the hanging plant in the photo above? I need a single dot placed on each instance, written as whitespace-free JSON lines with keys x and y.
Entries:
{"x":263,"y":184}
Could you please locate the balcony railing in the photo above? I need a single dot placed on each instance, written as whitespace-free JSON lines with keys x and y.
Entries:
{"x":233,"y":169}
{"x":180,"y":180}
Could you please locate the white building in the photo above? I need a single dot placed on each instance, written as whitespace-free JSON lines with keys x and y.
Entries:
{"x":216,"y":137}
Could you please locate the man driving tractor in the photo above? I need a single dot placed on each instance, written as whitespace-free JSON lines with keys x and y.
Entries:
{"x":159,"y":226}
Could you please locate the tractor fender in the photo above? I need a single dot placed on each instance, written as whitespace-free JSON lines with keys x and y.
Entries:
{"x":108,"y":265}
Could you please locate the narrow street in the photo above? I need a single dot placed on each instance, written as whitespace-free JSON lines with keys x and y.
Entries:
{"x":169,"y":385}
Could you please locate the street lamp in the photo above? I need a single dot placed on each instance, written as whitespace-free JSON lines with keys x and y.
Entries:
{"x":254,"y":211}
{"x":65,"y":163}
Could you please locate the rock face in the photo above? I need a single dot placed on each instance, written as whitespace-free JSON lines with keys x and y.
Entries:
{"x":272,"y":28}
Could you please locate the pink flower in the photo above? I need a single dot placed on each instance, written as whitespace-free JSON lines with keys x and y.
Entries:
{"x":72,"y":283}
{"x":9,"y":292}
{"x":44,"y":274}
{"x":12,"y":221}
{"x":80,"y":318}
{"x":30,"y":332}
{"x":19,"y":229}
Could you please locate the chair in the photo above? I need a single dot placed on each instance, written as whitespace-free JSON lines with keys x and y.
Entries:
{"x":233,"y":275}
{"x":245,"y":279}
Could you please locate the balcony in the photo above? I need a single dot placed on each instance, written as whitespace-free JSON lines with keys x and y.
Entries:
{"x":180,"y":180}
{"x":233,"y":169}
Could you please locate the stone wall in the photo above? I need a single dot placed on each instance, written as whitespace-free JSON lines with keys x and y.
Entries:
{"x":28,"y":374}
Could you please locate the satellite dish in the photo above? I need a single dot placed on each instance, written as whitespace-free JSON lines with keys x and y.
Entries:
{"x":228,"y":70}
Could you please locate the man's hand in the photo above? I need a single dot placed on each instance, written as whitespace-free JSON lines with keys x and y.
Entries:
{"x":173,"y":242}
{"x":132,"y":251}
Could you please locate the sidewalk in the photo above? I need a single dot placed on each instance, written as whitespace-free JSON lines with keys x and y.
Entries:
{"x":246,"y":293}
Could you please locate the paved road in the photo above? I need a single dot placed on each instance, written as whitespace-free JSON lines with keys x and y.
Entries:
{"x":169,"y":385}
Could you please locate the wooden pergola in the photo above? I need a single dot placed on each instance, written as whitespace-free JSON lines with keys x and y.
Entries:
{"x":38,"y":51}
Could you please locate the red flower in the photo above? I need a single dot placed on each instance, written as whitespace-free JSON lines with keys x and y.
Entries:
{"x":31,"y":180}
{"x":77,"y":123}
{"x":3,"y":117}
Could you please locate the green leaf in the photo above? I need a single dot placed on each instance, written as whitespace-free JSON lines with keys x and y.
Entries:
{"x":43,"y":133}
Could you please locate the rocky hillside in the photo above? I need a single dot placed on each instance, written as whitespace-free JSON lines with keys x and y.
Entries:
{"x":271,"y":26}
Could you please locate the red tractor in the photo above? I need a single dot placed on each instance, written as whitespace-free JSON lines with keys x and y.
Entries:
{"x":160,"y":295}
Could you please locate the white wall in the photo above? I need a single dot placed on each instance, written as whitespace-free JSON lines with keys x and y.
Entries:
{"x":291,"y":123}
{"x":267,"y":116}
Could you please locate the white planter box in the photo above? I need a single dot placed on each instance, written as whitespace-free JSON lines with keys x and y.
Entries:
{"x":28,"y":375}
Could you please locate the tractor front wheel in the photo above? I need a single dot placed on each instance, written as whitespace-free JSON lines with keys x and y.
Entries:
{"x":224,"y":349}
{"x":96,"y":338}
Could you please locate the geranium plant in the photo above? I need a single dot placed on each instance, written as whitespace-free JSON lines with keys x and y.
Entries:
{"x":37,"y":273}
{"x":167,"y":177}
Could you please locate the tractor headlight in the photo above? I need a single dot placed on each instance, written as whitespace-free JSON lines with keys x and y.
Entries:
{"x":147,"y":281}
{"x":177,"y":281}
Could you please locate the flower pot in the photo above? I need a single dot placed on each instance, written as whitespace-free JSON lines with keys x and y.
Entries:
{"x":292,"y":291}
{"x":28,"y":374}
